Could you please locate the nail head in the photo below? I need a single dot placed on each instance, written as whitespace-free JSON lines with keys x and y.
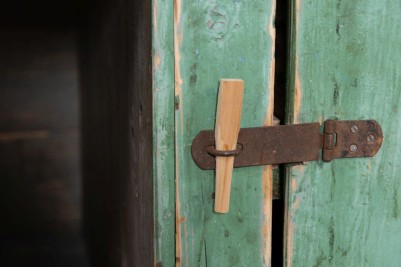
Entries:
{"x":354,"y":129}
{"x":353,"y":148}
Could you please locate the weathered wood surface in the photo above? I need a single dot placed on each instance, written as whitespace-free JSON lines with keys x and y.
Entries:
{"x":117,"y":133}
{"x":163,"y":131}
{"x":214,"y":40}
{"x":345,"y":64}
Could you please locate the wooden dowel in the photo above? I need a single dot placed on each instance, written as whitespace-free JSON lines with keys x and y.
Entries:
{"x":227,"y":127}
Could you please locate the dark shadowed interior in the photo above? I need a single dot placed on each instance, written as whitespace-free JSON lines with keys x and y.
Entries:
{"x":40,"y":180}
{"x":76,"y":165}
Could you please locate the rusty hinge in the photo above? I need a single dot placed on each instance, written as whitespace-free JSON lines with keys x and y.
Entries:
{"x":293,"y":143}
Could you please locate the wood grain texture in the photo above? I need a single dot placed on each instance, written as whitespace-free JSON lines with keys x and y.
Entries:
{"x":228,"y":119}
{"x":214,"y":40}
{"x":117,"y":133}
{"x":344,"y":65}
{"x":163,"y":131}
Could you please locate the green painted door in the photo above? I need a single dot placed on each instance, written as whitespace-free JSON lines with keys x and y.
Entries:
{"x":226,"y":39}
{"x":345,"y":63}
{"x":195,"y":44}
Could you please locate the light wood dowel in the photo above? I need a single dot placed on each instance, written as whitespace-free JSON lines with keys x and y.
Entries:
{"x":227,"y":127}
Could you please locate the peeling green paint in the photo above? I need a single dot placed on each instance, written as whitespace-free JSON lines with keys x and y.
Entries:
{"x":163,"y":131}
{"x":346,"y":213}
{"x":215,"y":40}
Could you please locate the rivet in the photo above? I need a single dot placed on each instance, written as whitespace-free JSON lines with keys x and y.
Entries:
{"x":354,"y":129}
{"x":353,"y":148}
{"x":370,"y":138}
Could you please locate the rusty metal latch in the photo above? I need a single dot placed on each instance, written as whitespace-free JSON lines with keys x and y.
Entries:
{"x":293,"y":143}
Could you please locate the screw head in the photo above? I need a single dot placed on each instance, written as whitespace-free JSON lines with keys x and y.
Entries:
{"x":370,"y":138}
{"x":354,"y":129}
{"x":353,"y":148}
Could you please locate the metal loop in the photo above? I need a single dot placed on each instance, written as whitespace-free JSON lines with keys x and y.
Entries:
{"x":221,"y":153}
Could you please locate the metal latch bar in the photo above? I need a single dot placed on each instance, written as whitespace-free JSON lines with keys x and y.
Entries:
{"x":293,"y":143}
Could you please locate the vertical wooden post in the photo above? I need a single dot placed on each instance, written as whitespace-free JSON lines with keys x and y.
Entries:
{"x":227,"y":127}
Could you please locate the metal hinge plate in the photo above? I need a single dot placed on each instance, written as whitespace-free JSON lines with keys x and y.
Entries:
{"x":293,"y":143}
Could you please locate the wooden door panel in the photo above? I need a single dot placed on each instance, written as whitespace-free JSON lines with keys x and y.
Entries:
{"x":345,"y":64}
{"x":214,"y":40}
{"x":163,"y":131}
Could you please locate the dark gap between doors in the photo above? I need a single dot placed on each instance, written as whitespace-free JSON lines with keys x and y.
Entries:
{"x":281,"y":59}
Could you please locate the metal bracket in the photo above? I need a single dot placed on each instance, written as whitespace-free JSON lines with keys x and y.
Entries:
{"x":293,"y":143}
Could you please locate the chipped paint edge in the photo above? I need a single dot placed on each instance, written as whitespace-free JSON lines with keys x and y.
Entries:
{"x":177,"y":59}
{"x":297,"y":82}
{"x":294,"y":104}
{"x":163,"y":132}
{"x":178,"y":94}
{"x":267,"y":173}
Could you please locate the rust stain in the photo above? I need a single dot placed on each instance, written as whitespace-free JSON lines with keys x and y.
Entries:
{"x":267,"y":174}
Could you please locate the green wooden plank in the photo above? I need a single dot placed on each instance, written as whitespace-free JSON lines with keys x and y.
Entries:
{"x":214,"y":40}
{"x":345,"y":65}
{"x":163,"y":130}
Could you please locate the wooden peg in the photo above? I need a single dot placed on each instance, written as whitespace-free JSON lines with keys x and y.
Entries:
{"x":227,"y":127}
